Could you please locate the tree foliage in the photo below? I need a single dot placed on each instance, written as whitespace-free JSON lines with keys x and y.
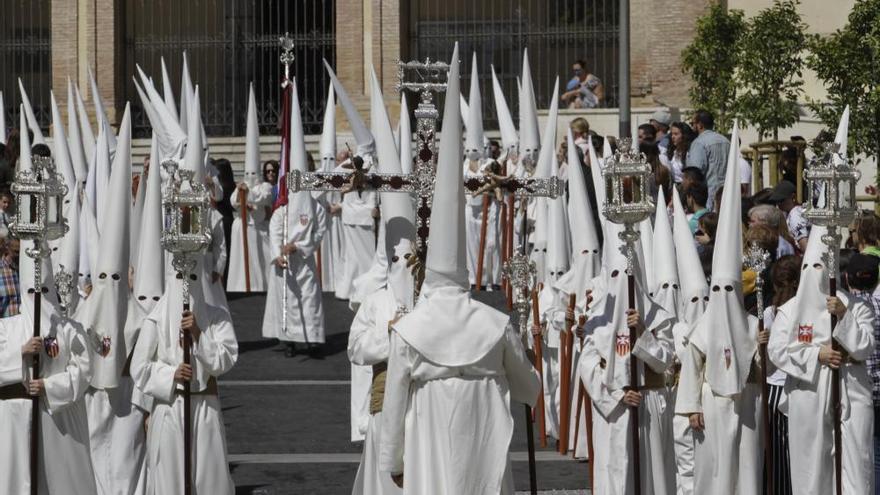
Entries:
{"x":711,"y":61}
{"x":848,"y":63}
{"x":770,"y":69}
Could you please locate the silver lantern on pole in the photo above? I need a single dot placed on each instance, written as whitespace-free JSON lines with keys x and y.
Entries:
{"x":627,"y":177}
{"x":39,"y":196}
{"x":831,"y":202}
{"x":186,"y":235}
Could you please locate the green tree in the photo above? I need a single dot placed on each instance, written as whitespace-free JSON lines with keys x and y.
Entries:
{"x":711,"y":61}
{"x":770,"y":71}
{"x":848,"y":63}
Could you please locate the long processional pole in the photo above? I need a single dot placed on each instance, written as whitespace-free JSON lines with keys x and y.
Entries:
{"x":756,"y":259}
{"x":39,"y":195}
{"x":831,"y":192}
{"x":287,"y":58}
{"x":626,"y":176}
{"x":186,"y":236}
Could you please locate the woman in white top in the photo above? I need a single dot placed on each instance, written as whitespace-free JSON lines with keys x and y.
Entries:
{"x":680,"y":135}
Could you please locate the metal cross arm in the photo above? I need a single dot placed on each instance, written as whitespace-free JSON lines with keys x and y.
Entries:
{"x":520,"y":187}
{"x":336,"y":181}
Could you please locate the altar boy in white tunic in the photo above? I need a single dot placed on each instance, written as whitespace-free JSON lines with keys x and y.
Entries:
{"x":455,"y":363}
{"x":64,"y":462}
{"x":293,"y":266}
{"x":719,"y":387}
{"x":258,"y":194}
{"x":368,"y":340}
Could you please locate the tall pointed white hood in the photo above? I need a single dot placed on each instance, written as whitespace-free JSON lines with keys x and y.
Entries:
{"x":528,"y":122}
{"x":558,"y":235}
{"x":473,"y":146}
{"x":366,"y":144}
{"x":172,"y":137}
{"x":167,"y":92}
{"x":32,"y":122}
{"x":149,"y":269}
{"x":694,"y":289}
{"x":85,"y":127}
{"x":108,"y":304}
{"x":60,"y":153}
{"x":328,"y":133}
{"x":252,"y":174}
{"x":404,"y":132}
{"x":723,"y":332}
{"x":463,"y":331}
{"x":101,"y":113}
{"x":186,"y":92}
{"x":74,"y":139}
{"x":101,"y":181}
{"x":586,"y":256}
{"x":509,"y":139}
{"x":194,"y":157}
{"x":666,"y":288}
{"x":543,"y":170}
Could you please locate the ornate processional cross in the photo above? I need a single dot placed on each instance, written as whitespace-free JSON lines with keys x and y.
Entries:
{"x":426,"y":78}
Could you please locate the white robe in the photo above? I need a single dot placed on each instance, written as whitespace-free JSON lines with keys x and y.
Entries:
{"x":157,"y":356}
{"x":259,"y":199}
{"x":448,"y":429}
{"x":64,"y":433}
{"x":332,"y":245}
{"x":473,"y":224}
{"x":612,"y":442}
{"x":728,"y":453}
{"x":215,"y":262}
{"x":368,"y":345}
{"x":359,"y":238}
{"x":305,"y":313}
{"x":810,"y":409}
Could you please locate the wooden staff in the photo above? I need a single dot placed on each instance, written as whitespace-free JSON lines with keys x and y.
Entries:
{"x":634,"y":385}
{"x":318,"y":263}
{"x":187,"y":412}
{"x":765,"y":405}
{"x":481,"y":254}
{"x":508,"y":233}
{"x":539,"y":365}
{"x":503,"y":246}
{"x":242,"y":201}
{"x":835,"y":399}
{"x":566,"y":345}
{"x":35,"y":400}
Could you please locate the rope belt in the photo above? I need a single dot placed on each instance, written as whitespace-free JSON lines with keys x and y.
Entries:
{"x":377,"y":388}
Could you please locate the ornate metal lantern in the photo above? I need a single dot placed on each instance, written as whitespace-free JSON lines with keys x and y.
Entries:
{"x":39,"y":198}
{"x":521,"y":274}
{"x":628,"y":201}
{"x":186,"y":206}
{"x":831,"y":189}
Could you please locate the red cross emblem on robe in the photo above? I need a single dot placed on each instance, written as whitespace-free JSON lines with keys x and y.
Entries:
{"x":50,"y":344}
{"x":805,"y":334}
{"x":105,"y":346}
{"x":622,"y":345}
{"x":303,"y":220}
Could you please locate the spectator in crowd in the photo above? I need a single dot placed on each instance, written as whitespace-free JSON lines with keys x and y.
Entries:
{"x":227,"y":183}
{"x":784,"y":196}
{"x":584,"y":90}
{"x":695,"y":198}
{"x":774,"y":219}
{"x":705,"y":237}
{"x":5,"y":209}
{"x":784,"y":275}
{"x":647,"y":134}
{"x":762,"y":197}
{"x":580,"y":131}
{"x":8,"y":160}
{"x":679,"y":139}
{"x":10,"y":297}
{"x":861,"y":280}
{"x":708,"y":152}
{"x":270,"y":175}
{"x":691,"y":176}
{"x":41,"y":149}
{"x":661,"y":120}
{"x":865,"y":233}
{"x":745,"y":172}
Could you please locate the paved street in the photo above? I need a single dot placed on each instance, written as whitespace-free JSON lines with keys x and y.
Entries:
{"x":287,"y":419}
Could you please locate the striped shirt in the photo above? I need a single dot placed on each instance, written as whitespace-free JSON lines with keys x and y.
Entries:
{"x":10,"y":298}
{"x":873,"y":362}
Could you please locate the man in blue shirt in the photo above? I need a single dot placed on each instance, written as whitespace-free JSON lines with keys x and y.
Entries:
{"x":708,"y":152}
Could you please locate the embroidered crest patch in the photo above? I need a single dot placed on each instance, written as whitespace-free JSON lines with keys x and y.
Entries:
{"x":727,"y":356}
{"x":104,"y":350}
{"x":303,"y":220}
{"x":622,"y":345}
{"x":50,"y":344}
{"x":805,"y":334}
